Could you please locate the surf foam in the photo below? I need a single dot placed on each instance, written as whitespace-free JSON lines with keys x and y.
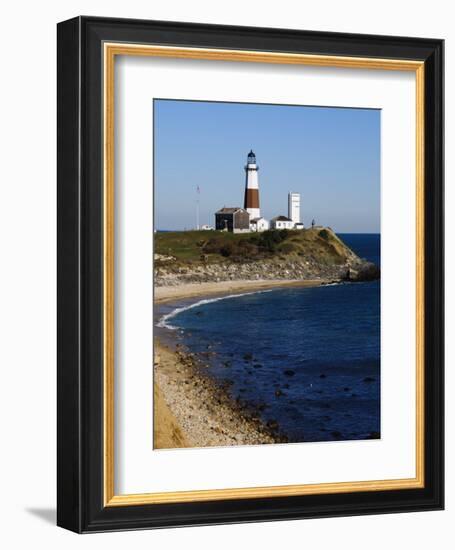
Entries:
{"x":163,"y":322}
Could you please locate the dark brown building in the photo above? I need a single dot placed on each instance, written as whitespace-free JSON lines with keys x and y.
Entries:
{"x":235,"y":220}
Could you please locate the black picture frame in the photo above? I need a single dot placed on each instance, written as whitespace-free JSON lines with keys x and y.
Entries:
{"x":80,"y":276}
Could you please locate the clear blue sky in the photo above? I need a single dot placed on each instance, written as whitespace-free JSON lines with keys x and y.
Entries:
{"x":331,"y":156}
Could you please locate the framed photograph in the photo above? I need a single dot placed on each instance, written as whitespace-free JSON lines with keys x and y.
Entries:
{"x":250,"y":274}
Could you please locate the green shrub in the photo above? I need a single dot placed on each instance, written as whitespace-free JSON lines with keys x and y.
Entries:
{"x":268,"y":240}
{"x":324,"y":234}
{"x":287,"y":248}
{"x":227,"y":249}
{"x":213,"y":246}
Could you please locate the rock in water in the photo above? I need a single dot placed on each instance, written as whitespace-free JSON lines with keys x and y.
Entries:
{"x":364,"y":272}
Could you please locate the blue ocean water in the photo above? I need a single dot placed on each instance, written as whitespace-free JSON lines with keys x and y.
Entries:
{"x":306,"y":358}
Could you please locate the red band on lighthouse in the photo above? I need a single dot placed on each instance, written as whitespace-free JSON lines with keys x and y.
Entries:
{"x":251,"y":198}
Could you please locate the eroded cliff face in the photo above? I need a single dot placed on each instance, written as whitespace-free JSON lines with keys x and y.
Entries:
{"x":310,"y":255}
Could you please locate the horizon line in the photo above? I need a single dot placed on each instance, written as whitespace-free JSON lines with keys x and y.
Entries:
{"x":309,"y":227}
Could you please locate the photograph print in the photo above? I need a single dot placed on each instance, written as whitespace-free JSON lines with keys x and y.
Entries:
{"x":266,"y":274}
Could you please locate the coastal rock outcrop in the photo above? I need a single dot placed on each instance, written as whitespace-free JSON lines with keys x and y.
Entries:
{"x":354,"y":271}
{"x":366,"y":271}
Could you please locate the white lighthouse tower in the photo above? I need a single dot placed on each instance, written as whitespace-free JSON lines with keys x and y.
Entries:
{"x":252,"y":187}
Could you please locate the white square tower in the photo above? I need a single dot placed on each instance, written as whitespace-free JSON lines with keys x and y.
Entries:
{"x":294,"y":207}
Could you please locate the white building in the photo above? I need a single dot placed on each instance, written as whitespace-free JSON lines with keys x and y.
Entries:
{"x":294,"y":207}
{"x":259,"y":224}
{"x":281,"y":222}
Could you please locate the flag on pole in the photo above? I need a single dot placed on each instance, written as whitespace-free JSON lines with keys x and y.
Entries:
{"x":198,"y":191}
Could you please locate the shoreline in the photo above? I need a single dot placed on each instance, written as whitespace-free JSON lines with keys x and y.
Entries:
{"x":170,"y":293}
{"x":190,"y":409}
{"x":193,"y":411}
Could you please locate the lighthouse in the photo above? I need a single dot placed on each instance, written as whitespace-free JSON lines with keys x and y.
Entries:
{"x":252,"y":187}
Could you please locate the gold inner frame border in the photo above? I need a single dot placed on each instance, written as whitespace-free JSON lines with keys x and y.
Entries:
{"x":110,"y":51}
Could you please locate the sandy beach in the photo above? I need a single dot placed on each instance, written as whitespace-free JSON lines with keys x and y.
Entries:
{"x":194,"y":290}
{"x":190,"y":409}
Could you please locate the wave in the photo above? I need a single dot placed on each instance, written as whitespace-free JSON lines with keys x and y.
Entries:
{"x":163,"y":322}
